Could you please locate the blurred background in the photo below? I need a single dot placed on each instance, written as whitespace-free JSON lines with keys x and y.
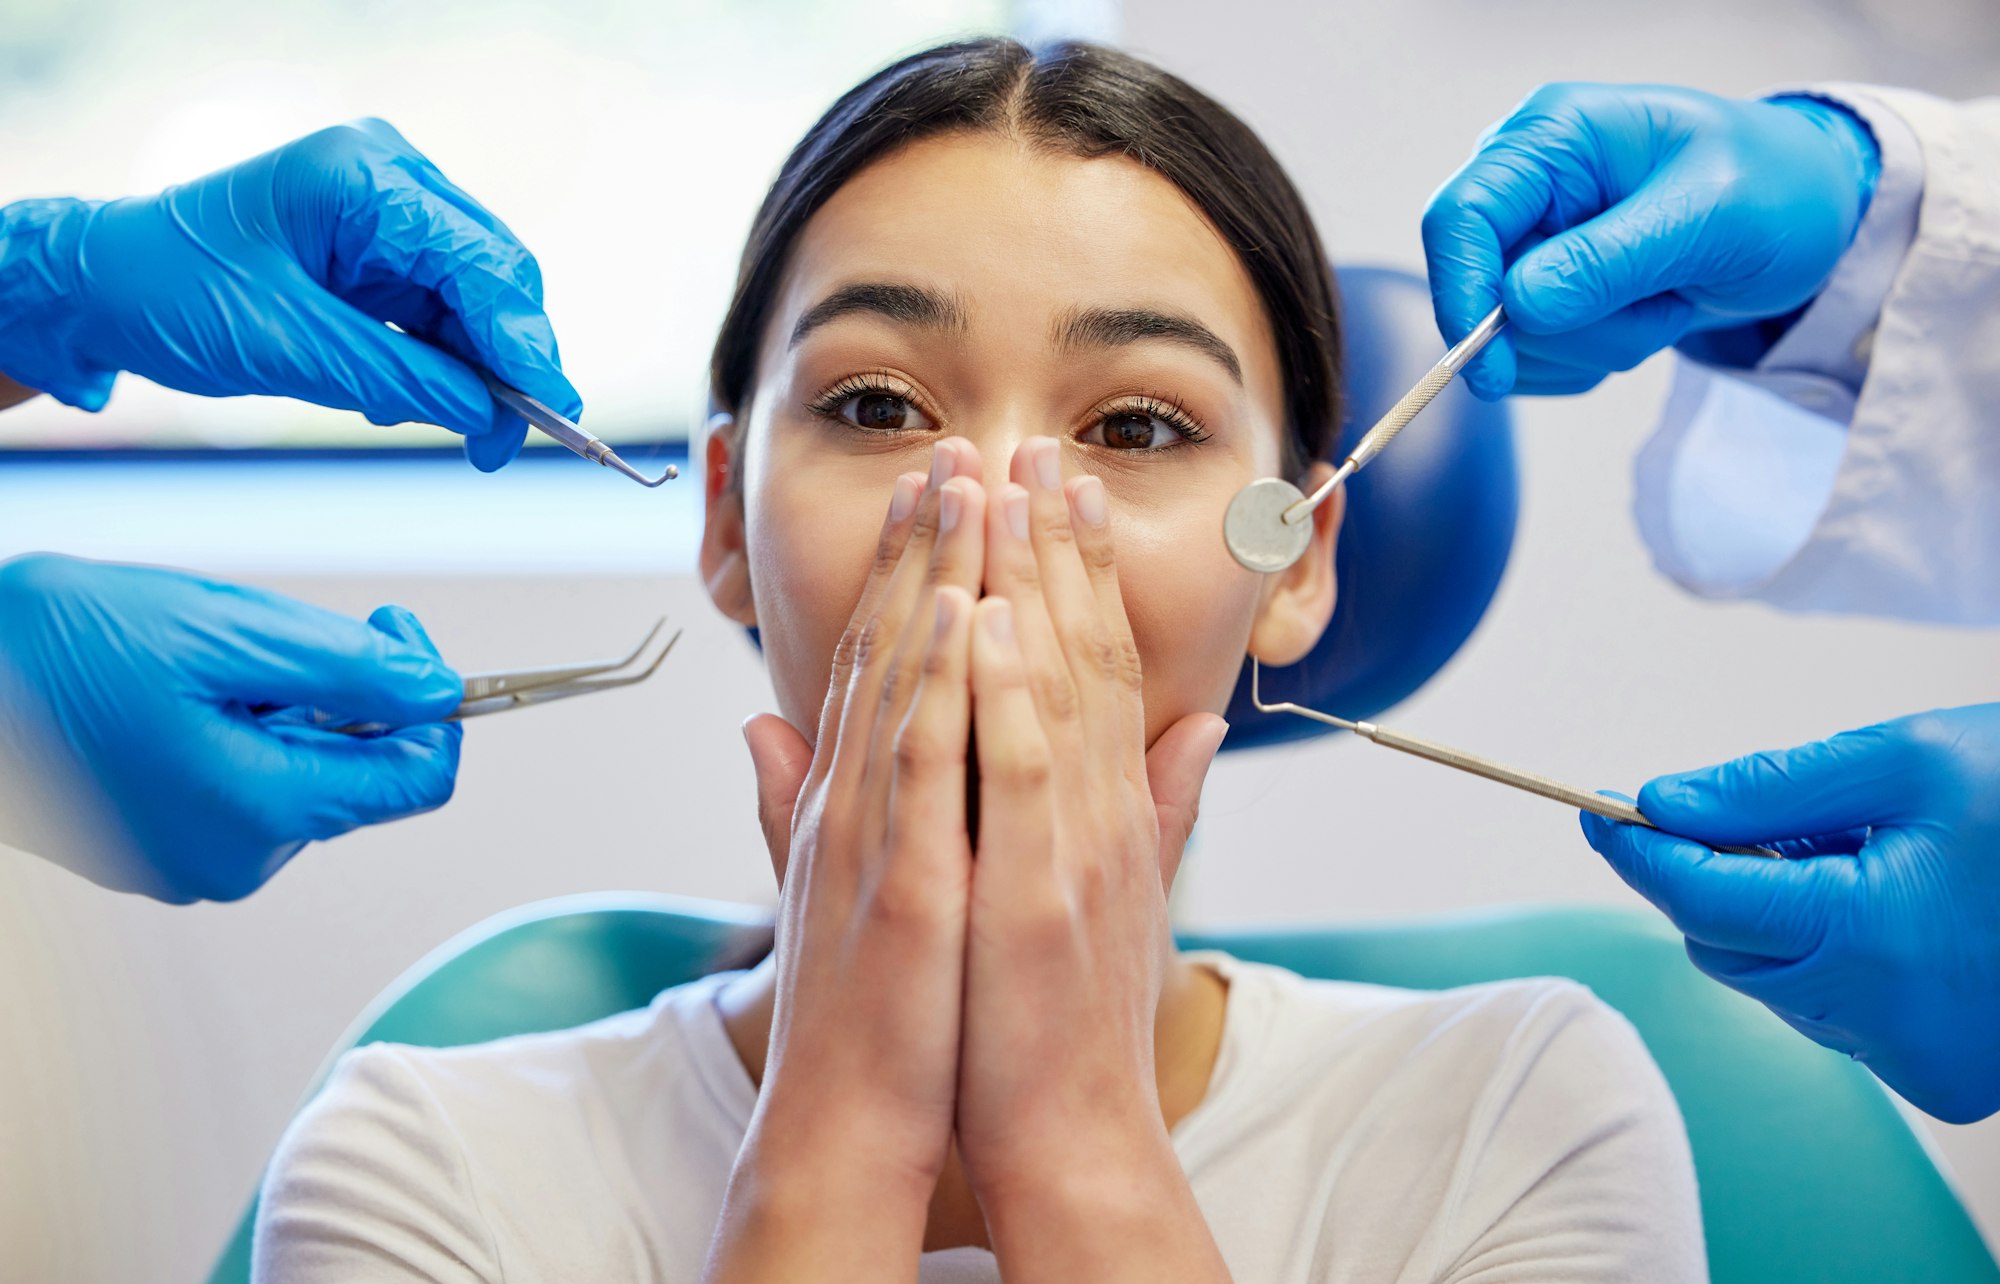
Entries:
{"x":150,"y":1056}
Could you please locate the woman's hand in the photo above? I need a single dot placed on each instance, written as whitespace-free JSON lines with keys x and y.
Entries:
{"x":1080,"y":833}
{"x":867,"y":830}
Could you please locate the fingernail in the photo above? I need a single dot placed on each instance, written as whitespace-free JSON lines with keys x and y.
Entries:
{"x":940,"y":465}
{"x":1048,"y":464}
{"x":904,"y":501}
{"x":946,"y":609}
{"x":1016,"y":506}
{"x":950,"y":500}
{"x":1000,"y":621}
{"x":1090,"y":501}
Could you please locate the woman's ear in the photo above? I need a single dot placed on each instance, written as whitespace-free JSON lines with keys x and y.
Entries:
{"x":1298,"y":601}
{"x":725,"y":561}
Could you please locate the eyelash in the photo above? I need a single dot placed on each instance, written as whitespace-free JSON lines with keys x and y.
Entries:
{"x":1154,"y":405}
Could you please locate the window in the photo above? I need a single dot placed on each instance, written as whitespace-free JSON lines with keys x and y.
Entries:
{"x":627,"y":142}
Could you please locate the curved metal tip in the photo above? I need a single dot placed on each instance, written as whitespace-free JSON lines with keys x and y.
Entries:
{"x":1258,"y":703}
{"x":611,"y":460}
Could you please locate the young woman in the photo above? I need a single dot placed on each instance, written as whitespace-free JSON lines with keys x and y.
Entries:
{"x":1049,"y":310}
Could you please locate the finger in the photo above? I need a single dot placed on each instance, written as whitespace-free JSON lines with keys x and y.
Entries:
{"x":895,"y":534}
{"x":1114,"y":653}
{"x":464,"y":278}
{"x":1786,"y":987}
{"x":1104,"y":671}
{"x":1538,"y":172}
{"x":348,"y":360}
{"x":1620,"y":341}
{"x":1015,"y":763}
{"x":1854,"y":779}
{"x":1777,"y":908}
{"x":1536,"y":379}
{"x":437,"y":737}
{"x":489,"y":452}
{"x":879,"y":639}
{"x":781,"y":758}
{"x":1176,"y":766}
{"x":1847,"y":842}
{"x":926,"y":825}
{"x":402,"y":624}
{"x":1014,"y":571}
{"x":1637,"y":249}
{"x":426,"y":172}
{"x":957,"y":561}
{"x":1467,"y":227}
{"x":251,"y":647}
{"x":332,"y":783}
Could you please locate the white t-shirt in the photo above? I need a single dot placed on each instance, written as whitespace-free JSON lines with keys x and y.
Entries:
{"x":1512,"y":1132}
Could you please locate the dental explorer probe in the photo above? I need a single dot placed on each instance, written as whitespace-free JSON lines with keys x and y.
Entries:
{"x":1268,"y":524}
{"x":1501,"y":773}
{"x":565,"y":430}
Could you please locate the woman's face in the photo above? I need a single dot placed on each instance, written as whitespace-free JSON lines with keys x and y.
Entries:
{"x":973,"y":286}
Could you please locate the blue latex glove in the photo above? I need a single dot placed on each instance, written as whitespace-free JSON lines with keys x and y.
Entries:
{"x":276,"y":277}
{"x":1616,"y":220}
{"x":1882,"y":940}
{"x":145,"y":738}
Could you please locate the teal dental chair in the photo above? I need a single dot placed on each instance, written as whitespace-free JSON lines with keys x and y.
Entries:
{"x":1808,"y":1171}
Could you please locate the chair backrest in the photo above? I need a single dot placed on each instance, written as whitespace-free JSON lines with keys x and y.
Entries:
{"x":1807,"y":1170}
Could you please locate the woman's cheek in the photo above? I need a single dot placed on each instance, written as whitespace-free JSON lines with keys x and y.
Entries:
{"x":1190,"y":607}
{"x":809,"y":558}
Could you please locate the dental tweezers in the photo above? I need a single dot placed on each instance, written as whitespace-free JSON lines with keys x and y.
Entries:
{"x":518,"y":688}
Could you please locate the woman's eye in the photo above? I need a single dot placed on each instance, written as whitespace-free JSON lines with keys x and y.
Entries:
{"x":881,"y":412}
{"x":1133,"y":430}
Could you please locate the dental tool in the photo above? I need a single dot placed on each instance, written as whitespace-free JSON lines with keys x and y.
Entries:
{"x":1269,"y":523}
{"x":517,"y":688}
{"x":1458,"y":759}
{"x":565,"y":430}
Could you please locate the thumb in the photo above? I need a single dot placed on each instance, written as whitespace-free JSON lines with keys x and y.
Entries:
{"x":1779,"y":909}
{"x":1640,"y":247}
{"x":1176,"y":766}
{"x":258,"y":648}
{"x":781,"y":758}
{"x":1854,"y":779}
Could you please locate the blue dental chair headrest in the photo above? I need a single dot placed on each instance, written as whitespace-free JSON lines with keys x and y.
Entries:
{"x":1428,"y":528}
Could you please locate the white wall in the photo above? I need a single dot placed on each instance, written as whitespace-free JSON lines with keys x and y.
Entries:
{"x":149,"y":1056}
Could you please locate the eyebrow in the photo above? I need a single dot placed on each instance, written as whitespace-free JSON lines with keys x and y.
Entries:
{"x":1116,"y":327}
{"x":911,"y":305}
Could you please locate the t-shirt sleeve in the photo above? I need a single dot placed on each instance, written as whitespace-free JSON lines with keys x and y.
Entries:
{"x":1583,"y":1171}
{"x":368,"y":1185}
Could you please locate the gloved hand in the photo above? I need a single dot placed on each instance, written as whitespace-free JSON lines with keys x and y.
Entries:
{"x":1613,"y":220}
{"x":1882,"y":940}
{"x":145,"y":741}
{"x":277,"y":276}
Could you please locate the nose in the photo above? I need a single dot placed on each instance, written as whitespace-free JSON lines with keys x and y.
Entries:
{"x":996,"y":449}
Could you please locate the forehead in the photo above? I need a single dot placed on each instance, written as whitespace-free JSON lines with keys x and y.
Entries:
{"x":1018,"y":232}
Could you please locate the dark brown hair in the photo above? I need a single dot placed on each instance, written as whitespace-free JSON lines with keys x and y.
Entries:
{"x":1089,"y":101}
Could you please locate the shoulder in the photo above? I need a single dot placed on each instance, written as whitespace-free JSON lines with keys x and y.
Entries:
{"x":1521,"y":1119}
{"x":423,"y":1146}
{"x":1484,"y":1027}
{"x":521,"y":1073}
{"x":1541,"y":1057}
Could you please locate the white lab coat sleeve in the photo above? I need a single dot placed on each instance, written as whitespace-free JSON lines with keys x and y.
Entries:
{"x":1856,"y":468}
